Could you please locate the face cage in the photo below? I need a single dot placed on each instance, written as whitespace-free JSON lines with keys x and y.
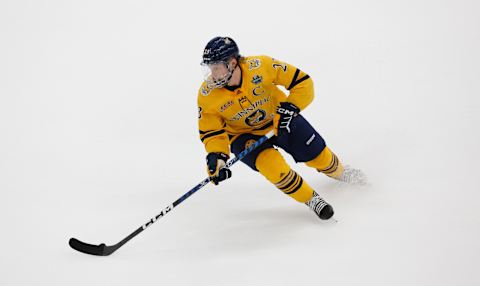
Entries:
{"x":218,"y":83}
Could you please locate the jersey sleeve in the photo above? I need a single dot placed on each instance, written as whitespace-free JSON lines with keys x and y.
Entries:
{"x":211,"y":128}
{"x":297,"y":82}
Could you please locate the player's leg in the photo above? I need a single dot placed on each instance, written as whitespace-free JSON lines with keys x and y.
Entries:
{"x":306,"y":145}
{"x":271,"y":164}
{"x":329,"y":164}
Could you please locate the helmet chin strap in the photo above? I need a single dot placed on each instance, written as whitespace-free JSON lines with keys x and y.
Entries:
{"x":230,"y":74}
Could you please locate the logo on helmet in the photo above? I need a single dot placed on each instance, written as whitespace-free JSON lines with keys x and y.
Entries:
{"x":219,"y":49}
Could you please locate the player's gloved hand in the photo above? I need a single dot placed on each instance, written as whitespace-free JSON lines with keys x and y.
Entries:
{"x":215,"y":162}
{"x":286,"y":111}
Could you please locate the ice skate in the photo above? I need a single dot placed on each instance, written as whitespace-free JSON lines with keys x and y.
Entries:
{"x":321,"y":208}
{"x":353,"y":176}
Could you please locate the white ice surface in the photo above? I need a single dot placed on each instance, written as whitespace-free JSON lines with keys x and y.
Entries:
{"x":98,"y":133}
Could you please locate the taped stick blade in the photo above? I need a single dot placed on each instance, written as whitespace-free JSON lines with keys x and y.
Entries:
{"x":100,"y":250}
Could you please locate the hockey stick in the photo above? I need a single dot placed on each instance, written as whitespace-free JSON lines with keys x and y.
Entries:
{"x":105,"y":250}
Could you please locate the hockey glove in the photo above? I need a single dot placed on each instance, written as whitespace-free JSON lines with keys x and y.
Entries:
{"x":283,"y":119}
{"x":215,"y":162}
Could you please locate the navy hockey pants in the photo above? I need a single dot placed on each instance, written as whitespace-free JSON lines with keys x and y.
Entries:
{"x":303,"y":143}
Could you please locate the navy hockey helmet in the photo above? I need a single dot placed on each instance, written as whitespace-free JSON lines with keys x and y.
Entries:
{"x":220,"y":49}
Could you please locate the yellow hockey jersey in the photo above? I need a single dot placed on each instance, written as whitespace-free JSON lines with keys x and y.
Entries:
{"x":225,"y":114}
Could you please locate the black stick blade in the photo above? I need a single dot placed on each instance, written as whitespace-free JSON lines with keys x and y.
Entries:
{"x":100,"y":250}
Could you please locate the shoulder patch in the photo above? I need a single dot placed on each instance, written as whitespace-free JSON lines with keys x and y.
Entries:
{"x":205,"y":90}
{"x":253,"y":64}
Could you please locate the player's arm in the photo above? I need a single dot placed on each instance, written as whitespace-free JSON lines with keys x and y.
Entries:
{"x":300,"y":86}
{"x":297,"y":82}
{"x":213,"y":136}
{"x":211,"y":131}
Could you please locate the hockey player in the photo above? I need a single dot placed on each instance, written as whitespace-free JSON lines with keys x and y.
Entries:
{"x":239,"y":102}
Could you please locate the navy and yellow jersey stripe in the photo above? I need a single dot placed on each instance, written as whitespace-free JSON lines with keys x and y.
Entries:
{"x":224,"y":114}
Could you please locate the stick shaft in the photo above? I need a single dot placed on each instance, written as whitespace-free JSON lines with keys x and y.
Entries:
{"x":195,"y":189}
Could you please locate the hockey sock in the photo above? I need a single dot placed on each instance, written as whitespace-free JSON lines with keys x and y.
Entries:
{"x":328,"y":163}
{"x":273,"y":166}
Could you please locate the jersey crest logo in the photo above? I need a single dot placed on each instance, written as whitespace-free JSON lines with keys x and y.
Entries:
{"x":257,"y":79}
{"x":244,"y":102}
{"x":253,"y":64}
{"x":250,"y":110}
{"x":256,"y":118}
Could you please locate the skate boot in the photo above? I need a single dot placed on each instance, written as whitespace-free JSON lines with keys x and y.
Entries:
{"x":353,"y":176}
{"x":320,"y":207}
